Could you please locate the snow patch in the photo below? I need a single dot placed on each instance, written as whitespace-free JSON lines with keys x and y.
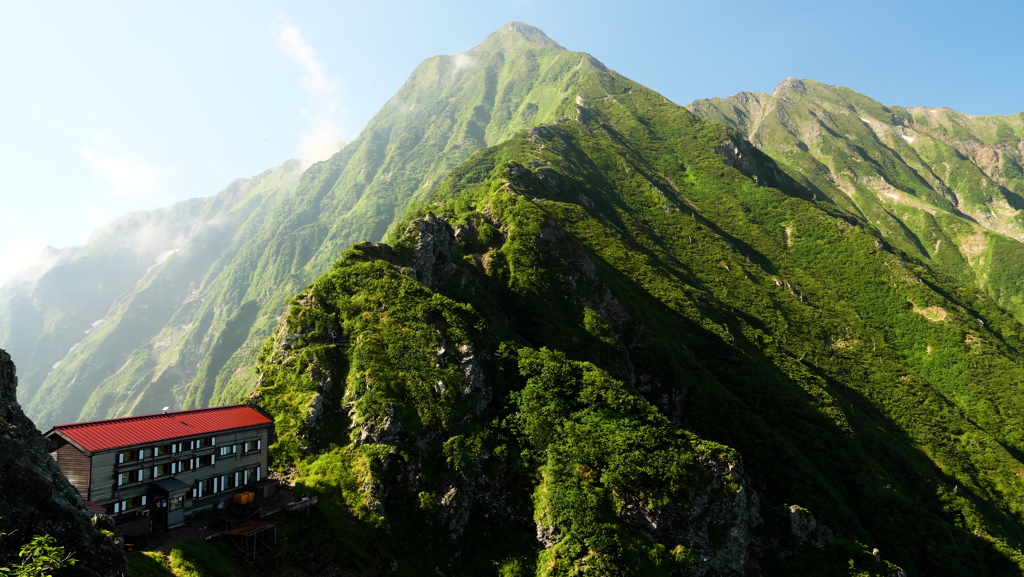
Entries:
{"x":907,"y":138}
{"x":865,"y":120}
{"x":892,"y":195}
{"x":55,"y":365}
{"x":160,"y":259}
{"x":94,"y":325}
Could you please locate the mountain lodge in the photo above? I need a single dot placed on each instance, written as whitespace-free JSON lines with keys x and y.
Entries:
{"x":150,"y":471}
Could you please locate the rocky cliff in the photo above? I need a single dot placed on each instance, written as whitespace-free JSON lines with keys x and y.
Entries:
{"x":36,"y":499}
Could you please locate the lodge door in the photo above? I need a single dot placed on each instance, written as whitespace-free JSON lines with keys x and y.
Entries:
{"x":160,"y":511}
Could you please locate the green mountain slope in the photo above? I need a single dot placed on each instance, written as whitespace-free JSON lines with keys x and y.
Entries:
{"x":199,"y":348}
{"x":110,"y":314}
{"x":939,"y":184}
{"x":475,"y":395}
{"x":43,"y":319}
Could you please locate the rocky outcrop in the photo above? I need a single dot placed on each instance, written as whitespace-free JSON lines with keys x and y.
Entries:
{"x":806,"y":529}
{"x":718,"y":523}
{"x":435,"y":245}
{"x":36,"y":499}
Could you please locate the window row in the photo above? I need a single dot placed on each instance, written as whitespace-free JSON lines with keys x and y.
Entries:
{"x":175,"y":448}
{"x":127,"y":504}
{"x":202,"y":488}
{"x":248,"y":447}
{"x":222,"y":483}
{"x":165,"y":469}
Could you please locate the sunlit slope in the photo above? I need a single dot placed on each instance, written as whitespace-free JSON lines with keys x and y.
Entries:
{"x":939,"y":184}
{"x":44,"y":319}
{"x":200,"y":352}
{"x":130,"y":294}
{"x":622,"y":245}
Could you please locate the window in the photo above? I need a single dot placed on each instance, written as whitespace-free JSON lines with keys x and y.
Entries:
{"x":228,"y":450}
{"x":129,"y":504}
{"x":199,"y":462}
{"x":163,"y":450}
{"x":251,"y":475}
{"x":128,"y":477}
{"x":129,"y":456}
{"x":251,"y":446}
{"x":203,"y":488}
{"x":228,"y":482}
{"x":161,"y":470}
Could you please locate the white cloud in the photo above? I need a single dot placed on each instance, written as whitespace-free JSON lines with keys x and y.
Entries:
{"x":323,"y":138}
{"x":24,"y":262}
{"x":128,"y":177}
{"x":462,"y":60}
{"x":22,"y":257}
{"x":97,"y":215}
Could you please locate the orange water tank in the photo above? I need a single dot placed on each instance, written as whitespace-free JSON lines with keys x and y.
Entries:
{"x":239,"y":498}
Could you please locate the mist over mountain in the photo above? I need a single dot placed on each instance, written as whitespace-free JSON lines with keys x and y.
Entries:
{"x":585,"y":330}
{"x":199,"y":337}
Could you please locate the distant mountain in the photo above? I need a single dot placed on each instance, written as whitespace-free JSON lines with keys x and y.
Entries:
{"x":186,"y":335}
{"x":476,"y":393}
{"x":115,"y":316}
{"x":944,"y":186}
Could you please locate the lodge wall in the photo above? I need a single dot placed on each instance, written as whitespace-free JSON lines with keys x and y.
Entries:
{"x":75,"y":466}
{"x":234,"y":459}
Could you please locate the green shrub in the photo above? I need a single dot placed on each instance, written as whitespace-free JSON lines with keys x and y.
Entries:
{"x":195,"y":558}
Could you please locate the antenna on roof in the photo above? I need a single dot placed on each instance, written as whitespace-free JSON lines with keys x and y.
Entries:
{"x":165,"y":410}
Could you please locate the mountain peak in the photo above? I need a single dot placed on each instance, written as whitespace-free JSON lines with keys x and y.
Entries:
{"x":515,"y":33}
{"x":790,"y":84}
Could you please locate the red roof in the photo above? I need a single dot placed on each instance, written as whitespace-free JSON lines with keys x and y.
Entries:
{"x":94,"y":507}
{"x":126,"y":431}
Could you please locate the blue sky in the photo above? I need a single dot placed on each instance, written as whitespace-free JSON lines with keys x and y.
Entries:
{"x":110,"y":107}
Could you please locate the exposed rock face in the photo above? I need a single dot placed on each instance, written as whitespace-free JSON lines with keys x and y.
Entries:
{"x":435,"y":246}
{"x":722,"y":500}
{"x":36,"y":499}
{"x":806,"y":529}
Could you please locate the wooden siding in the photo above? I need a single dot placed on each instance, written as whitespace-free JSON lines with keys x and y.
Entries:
{"x":75,"y":466}
{"x":104,"y":481}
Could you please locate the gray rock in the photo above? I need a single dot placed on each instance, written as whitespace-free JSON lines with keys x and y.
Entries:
{"x":806,"y":529}
{"x":435,"y":245}
{"x":36,"y":499}
{"x":719,"y":499}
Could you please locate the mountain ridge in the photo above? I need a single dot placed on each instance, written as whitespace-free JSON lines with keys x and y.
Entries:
{"x":636,"y":237}
{"x":606,"y":334}
{"x":214,"y":325}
